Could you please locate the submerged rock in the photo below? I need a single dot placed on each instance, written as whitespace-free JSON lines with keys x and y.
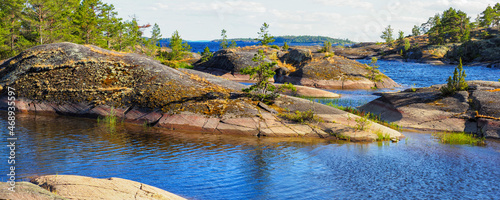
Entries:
{"x":77,"y":80}
{"x":475,"y":111}
{"x":300,"y":66}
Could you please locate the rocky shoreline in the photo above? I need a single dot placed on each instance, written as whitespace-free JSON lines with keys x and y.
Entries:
{"x":305,"y":66}
{"x":62,"y":187}
{"x":474,"y":111}
{"x":86,"y":81}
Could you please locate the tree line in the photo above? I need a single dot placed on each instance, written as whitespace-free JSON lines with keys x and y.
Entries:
{"x":27,"y":23}
{"x":451,"y":26}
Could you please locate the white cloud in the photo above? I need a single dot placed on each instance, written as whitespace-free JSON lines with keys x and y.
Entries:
{"x":349,"y":3}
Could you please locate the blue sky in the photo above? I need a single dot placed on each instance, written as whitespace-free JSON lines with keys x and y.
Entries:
{"x":358,"y":20}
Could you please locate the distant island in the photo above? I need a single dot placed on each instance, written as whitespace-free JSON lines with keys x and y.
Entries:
{"x":297,"y":39}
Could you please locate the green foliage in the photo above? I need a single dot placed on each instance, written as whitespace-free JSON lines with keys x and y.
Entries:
{"x":111,"y":119}
{"x":224,"y":43}
{"x":490,"y":17}
{"x":327,"y":47}
{"x":285,"y":47}
{"x":415,"y":31}
{"x":264,"y":36}
{"x":301,"y":117}
{"x":457,"y":83}
{"x":382,"y":136}
{"x":371,"y":116}
{"x":177,"y":64}
{"x":275,"y":46}
{"x":374,"y":74}
{"x":458,"y":138}
{"x":151,"y":44}
{"x":24,"y":24}
{"x":206,"y":54}
{"x":451,"y":26}
{"x":179,"y":48}
{"x":263,"y":89}
{"x":233,"y":44}
{"x":407,"y":45}
{"x":401,"y":38}
{"x":387,"y":34}
{"x":362,"y":123}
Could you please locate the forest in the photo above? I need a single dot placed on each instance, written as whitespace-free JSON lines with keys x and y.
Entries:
{"x":27,"y":23}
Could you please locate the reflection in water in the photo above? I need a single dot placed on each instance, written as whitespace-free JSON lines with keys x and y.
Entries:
{"x":204,"y":166}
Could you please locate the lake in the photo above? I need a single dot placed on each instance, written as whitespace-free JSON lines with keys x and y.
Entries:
{"x":204,"y":166}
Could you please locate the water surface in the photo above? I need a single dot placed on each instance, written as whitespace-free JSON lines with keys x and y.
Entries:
{"x":204,"y":166}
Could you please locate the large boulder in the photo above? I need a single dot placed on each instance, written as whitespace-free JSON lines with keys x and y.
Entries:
{"x":71,"y":79}
{"x":27,"y":190}
{"x":81,"y":187}
{"x":474,"y":111}
{"x":300,"y":65}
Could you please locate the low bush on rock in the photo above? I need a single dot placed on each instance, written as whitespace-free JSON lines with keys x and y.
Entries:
{"x":301,"y":117}
{"x":457,"y":83}
{"x":263,"y":89}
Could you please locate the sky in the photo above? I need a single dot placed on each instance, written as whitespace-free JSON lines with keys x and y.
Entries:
{"x":357,"y":20}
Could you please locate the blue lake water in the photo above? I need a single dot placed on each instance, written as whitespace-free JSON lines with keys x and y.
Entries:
{"x":204,"y":166}
{"x":408,"y":75}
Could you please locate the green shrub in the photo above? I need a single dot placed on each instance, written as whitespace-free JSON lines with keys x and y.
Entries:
{"x":382,"y":136}
{"x":458,"y":138}
{"x":275,"y":46}
{"x":285,"y":47}
{"x":362,"y":123}
{"x":206,"y":54}
{"x":327,"y":47}
{"x":263,"y":89}
{"x":457,"y":83}
{"x":301,"y":117}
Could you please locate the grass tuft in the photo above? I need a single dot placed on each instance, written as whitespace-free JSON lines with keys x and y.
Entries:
{"x":458,"y":138}
{"x":301,"y":117}
{"x":382,"y":136}
{"x":370,"y":116}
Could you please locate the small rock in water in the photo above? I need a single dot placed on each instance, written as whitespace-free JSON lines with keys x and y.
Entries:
{"x":394,"y":140}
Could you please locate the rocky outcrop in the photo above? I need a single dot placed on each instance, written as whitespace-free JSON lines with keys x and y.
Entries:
{"x":81,"y":187}
{"x":304,"y":66}
{"x":27,"y":190}
{"x":474,"y":111}
{"x":70,"y":79}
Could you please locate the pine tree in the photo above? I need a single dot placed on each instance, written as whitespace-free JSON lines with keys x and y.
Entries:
{"x":112,"y":27}
{"x":152,"y":43}
{"x":387,"y":35}
{"x":285,"y":47}
{"x":452,"y":26}
{"x":133,"y":35}
{"x":86,"y":19}
{"x":415,"y":30}
{"x":264,"y":37}
{"x":223,"y":43}
{"x":374,"y":73}
{"x":457,"y":82}
{"x":486,"y":19}
{"x":11,"y":15}
{"x":179,"y":48}
{"x":50,"y":19}
{"x":261,"y":74}
{"x":206,"y":54}
{"x":401,"y":38}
